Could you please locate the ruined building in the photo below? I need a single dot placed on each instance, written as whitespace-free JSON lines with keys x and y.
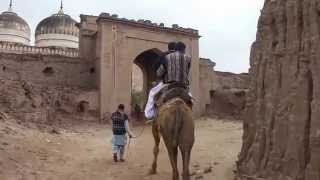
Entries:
{"x":281,"y":138}
{"x":84,"y":69}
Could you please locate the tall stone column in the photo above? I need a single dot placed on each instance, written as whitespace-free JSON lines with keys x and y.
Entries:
{"x":281,"y":139}
{"x":106,"y":62}
{"x":195,"y":77}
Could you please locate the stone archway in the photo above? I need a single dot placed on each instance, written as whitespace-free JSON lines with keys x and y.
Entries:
{"x":146,"y":62}
{"x":117,"y":43}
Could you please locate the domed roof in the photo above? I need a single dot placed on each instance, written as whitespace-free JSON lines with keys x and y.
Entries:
{"x":58,"y":30}
{"x":10,"y":20}
{"x":13,"y":28}
{"x":59,"y":23}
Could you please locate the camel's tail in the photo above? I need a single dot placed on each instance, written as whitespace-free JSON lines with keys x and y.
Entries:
{"x":178,"y":122}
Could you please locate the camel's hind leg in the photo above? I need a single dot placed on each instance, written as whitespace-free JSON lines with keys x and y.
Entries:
{"x":173,"y":156}
{"x":186,"y":152}
{"x":186,"y":141}
{"x":156,"y":136}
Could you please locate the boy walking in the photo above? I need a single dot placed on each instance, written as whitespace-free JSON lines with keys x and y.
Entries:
{"x":120,"y":129}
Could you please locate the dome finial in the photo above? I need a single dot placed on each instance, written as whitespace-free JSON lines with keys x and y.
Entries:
{"x":61,"y":7}
{"x":10,"y":6}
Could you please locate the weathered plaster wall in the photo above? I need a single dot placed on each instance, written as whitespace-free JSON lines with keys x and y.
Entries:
{"x":32,"y":68}
{"x":42,"y":88}
{"x":227,"y":80}
{"x":222,"y":94}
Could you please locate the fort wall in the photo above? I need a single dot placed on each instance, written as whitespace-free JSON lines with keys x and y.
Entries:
{"x":223,"y":94}
{"x":44,"y":88}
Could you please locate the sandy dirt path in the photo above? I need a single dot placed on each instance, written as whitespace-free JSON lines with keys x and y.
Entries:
{"x":84,"y":153}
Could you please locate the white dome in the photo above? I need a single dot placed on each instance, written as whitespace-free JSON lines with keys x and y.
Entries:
{"x":14,"y":28}
{"x":58,"y":30}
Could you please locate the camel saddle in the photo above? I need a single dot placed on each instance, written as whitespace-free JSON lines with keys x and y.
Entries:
{"x":173,"y":90}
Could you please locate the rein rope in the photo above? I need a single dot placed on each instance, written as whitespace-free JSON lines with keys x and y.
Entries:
{"x":135,"y":137}
{"x":141,"y":132}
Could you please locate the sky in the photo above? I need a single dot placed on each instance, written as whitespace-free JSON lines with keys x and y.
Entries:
{"x":227,"y":27}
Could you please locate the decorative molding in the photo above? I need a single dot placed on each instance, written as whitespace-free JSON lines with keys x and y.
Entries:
{"x":147,"y":40}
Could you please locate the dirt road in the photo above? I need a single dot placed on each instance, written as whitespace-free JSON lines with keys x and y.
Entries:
{"x":84,"y":153}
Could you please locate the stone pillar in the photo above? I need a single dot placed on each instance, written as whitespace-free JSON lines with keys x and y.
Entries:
{"x":87,"y":37}
{"x":114,"y":69}
{"x":205,"y":85}
{"x":122,"y":69}
{"x":194,"y":52}
{"x":105,"y":64}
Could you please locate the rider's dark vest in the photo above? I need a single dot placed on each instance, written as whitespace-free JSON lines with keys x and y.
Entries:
{"x":118,"y":123}
{"x":177,"y":68}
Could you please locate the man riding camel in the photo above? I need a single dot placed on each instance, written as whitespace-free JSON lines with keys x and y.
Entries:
{"x":174,"y":68}
{"x":150,"y":109}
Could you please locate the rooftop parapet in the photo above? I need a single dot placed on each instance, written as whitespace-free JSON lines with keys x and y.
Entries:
{"x":149,"y":24}
{"x":7,"y":47}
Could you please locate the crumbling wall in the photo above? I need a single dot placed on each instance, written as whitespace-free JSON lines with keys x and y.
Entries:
{"x":223,"y":93}
{"x":227,"y":103}
{"x":227,"y":80}
{"x":48,"y":70}
{"x":228,"y":97}
{"x":281,"y":139}
{"x":47,"y":88}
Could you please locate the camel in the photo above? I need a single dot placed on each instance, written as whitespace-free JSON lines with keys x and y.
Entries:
{"x":174,"y":122}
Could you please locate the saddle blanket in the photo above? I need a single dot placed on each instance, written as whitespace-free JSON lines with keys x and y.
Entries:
{"x":150,"y":110}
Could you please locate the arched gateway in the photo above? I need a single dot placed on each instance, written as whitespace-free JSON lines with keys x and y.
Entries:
{"x":147,"y":61}
{"x":116,"y":43}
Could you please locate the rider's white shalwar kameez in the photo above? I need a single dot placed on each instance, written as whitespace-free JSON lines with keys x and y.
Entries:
{"x":150,"y":110}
